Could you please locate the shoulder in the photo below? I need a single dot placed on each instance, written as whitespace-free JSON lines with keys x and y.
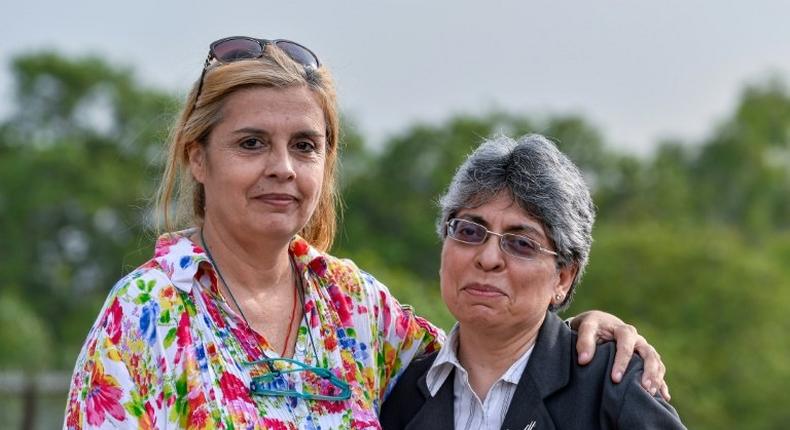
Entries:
{"x":406,"y":398}
{"x":343,"y":275}
{"x":147,"y":284}
{"x":334,"y":273}
{"x":411,"y":382}
{"x":135,"y":305}
{"x":598,"y":370}
{"x":416,"y":370}
{"x":146,"y":300}
{"x":554,"y":363}
{"x":328,"y":270}
{"x":627,"y":403}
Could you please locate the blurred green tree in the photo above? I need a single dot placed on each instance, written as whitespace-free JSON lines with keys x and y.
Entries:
{"x":712,"y":304}
{"x":743,"y":171}
{"x":76,"y":160}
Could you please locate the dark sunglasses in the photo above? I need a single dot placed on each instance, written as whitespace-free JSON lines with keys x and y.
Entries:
{"x":237,"y":48}
{"x":517,"y":245}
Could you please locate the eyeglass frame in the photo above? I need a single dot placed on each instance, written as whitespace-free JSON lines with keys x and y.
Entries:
{"x":322,"y":372}
{"x":262,"y":42}
{"x":501,"y":236}
{"x":256,"y":387}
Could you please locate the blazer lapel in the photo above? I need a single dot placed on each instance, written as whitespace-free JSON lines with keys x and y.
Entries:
{"x":437,"y":412}
{"x":527,"y":411}
{"x":548,"y":370}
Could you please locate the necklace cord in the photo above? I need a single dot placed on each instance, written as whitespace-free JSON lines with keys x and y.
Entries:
{"x":233,"y":298}
{"x":300,"y":291}
{"x":290,"y":325}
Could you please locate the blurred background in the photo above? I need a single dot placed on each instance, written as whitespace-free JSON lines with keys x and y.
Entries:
{"x":678,"y":112}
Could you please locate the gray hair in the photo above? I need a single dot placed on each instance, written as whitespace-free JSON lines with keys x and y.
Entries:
{"x":543,"y":181}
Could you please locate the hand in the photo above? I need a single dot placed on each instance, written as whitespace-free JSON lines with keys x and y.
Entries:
{"x":596,"y":326}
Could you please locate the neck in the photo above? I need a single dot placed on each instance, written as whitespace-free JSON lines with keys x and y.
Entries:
{"x":248,"y":264}
{"x":488,"y":354}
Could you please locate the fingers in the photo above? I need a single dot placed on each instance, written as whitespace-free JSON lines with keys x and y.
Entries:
{"x":626,"y":338}
{"x":595,"y":325}
{"x":654,"y":369}
{"x":665,"y":392}
{"x":586,"y":341}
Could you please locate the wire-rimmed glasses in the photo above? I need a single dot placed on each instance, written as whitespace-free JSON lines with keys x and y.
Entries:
{"x":472,"y":233}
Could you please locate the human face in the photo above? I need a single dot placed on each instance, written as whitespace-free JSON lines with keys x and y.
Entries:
{"x":262,"y":167}
{"x":485,"y":288}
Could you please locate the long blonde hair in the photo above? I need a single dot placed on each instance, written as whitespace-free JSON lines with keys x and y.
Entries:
{"x":181,"y":199}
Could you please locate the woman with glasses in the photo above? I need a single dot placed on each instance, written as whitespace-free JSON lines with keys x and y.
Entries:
{"x":516,"y":226}
{"x":241,"y":319}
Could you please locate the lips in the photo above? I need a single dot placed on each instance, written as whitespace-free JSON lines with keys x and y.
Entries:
{"x":483,"y":290}
{"x":277,"y":199}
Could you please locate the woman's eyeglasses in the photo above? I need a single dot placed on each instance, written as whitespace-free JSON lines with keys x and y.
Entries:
{"x":472,"y":233}
{"x":324,"y":384}
{"x":237,"y":48}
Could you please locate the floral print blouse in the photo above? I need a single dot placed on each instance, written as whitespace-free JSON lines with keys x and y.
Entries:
{"x":168,"y":352}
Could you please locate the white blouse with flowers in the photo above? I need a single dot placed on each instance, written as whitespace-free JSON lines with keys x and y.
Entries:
{"x":168,"y":352}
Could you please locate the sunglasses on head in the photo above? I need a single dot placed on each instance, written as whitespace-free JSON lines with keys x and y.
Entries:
{"x":238,"y":48}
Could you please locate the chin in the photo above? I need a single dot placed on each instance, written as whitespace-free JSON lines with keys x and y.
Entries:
{"x":275,"y":230}
{"x":477,"y":315}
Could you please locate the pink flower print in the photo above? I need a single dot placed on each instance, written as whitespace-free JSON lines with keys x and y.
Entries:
{"x":309,"y":309}
{"x":199,"y":413}
{"x":402,"y":324}
{"x":164,"y":244}
{"x":148,"y":420}
{"x":273,"y":424}
{"x":387,"y":313}
{"x":233,"y":388}
{"x":342,"y":304}
{"x":182,"y":334}
{"x":183,"y":337}
{"x":318,"y":266}
{"x":213,"y":311}
{"x":113,"y":321}
{"x":73,"y":412}
{"x":104,"y":397}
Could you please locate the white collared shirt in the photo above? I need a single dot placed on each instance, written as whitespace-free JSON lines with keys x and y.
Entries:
{"x":470,"y":413}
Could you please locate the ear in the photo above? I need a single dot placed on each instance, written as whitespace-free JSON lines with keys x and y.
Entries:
{"x":566,"y":277}
{"x":196,"y":155}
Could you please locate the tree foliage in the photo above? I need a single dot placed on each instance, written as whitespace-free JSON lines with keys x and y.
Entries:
{"x":77,"y":159}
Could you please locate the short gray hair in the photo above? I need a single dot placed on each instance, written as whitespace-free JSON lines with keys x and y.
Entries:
{"x":543,"y":181}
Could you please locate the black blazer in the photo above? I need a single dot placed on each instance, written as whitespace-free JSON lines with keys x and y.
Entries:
{"x":554,"y":392}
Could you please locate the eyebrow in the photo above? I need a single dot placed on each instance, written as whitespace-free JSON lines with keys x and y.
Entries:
{"x":309,"y":133}
{"x":519,"y":228}
{"x":251,"y":130}
{"x":261,"y":132}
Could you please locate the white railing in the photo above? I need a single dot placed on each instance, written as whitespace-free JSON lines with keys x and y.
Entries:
{"x":16,"y":382}
{"x":32,"y":401}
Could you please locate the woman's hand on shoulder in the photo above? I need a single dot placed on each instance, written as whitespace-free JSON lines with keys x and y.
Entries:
{"x":594,"y":327}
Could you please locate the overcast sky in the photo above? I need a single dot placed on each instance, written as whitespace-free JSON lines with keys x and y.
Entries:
{"x":638,"y":70}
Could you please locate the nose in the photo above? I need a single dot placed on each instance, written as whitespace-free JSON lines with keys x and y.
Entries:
{"x":279,"y":164}
{"x":489,"y":255}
